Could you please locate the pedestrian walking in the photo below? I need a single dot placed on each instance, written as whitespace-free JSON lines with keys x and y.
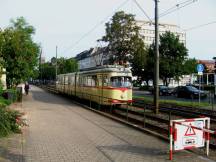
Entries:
{"x":26,"y":88}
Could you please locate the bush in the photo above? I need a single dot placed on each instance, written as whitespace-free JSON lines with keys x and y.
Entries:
{"x":9,"y":121}
{"x":10,"y":94}
{"x":4,"y":102}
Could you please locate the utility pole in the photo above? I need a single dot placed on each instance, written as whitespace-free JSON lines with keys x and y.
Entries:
{"x":156,"y":77}
{"x":56,"y":63}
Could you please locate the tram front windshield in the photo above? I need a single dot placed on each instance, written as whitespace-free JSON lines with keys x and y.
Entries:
{"x":120,"y":81}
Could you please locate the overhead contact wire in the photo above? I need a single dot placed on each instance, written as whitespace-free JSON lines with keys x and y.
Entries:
{"x":95,"y":27}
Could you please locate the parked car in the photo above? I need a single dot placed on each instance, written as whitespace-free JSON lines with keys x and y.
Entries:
{"x":163,"y":90}
{"x":188,"y":92}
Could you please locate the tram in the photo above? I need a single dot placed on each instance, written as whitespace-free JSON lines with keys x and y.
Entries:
{"x":105,"y":85}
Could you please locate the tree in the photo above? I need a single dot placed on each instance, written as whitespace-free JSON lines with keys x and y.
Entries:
{"x":48,"y":69}
{"x":140,"y":63}
{"x":173,"y":54}
{"x":190,"y":66}
{"x":122,"y":36}
{"x":1,"y":52}
{"x":19,"y":52}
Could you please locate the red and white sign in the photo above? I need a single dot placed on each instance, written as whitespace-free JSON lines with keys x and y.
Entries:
{"x":187,"y":136}
{"x":190,"y":133}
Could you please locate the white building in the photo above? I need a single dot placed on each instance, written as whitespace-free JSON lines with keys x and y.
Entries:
{"x":100,"y":56}
{"x":148,"y":31}
{"x":92,"y":58}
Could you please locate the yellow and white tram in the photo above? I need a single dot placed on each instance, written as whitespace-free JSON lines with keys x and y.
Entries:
{"x":105,"y":85}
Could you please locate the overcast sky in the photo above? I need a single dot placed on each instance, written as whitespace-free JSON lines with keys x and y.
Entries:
{"x":64,"y":22}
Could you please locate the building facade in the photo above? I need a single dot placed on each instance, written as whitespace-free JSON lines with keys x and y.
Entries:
{"x":93,"y":57}
{"x":147,"y":31}
{"x":209,"y":64}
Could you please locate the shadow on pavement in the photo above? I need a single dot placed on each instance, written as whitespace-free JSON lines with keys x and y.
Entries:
{"x":134,"y":150}
{"x":7,"y":155}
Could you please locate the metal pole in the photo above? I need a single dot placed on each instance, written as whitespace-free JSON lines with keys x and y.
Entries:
{"x":56,"y":63}
{"x":144,"y":117}
{"x":208,"y":137}
{"x":127,"y":112}
{"x":212,"y":100}
{"x":171,"y":139}
{"x":156,"y":78}
{"x":199,"y":87}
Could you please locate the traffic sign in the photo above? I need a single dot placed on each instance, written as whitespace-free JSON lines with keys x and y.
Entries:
{"x":187,"y":136}
{"x":200,"y":73}
{"x":190,"y":131}
{"x":200,"y":68}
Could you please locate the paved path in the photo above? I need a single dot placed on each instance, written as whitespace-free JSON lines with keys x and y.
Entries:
{"x":60,"y":131}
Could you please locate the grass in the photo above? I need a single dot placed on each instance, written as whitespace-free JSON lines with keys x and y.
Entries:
{"x":148,"y":99}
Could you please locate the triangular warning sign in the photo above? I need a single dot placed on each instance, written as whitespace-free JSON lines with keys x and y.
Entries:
{"x":190,"y":131}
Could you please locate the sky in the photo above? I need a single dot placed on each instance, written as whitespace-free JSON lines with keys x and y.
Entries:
{"x":65,"y":23}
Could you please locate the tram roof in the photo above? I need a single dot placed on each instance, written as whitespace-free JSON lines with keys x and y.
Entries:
{"x":105,"y":68}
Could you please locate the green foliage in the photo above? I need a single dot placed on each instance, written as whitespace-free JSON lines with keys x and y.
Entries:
{"x":189,"y":66}
{"x":19,"y":52}
{"x":66,"y":65}
{"x":8,"y":122}
{"x":48,"y":70}
{"x":139,"y":61}
{"x":173,"y":55}
{"x":122,"y":36}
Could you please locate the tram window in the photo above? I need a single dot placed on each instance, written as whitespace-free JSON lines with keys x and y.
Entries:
{"x":99,"y":80}
{"x":62,"y":80}
{"x":66,"y":80}
{"x":69,"y":79}
{"x":58,"y":80}
{"x":80,"y":80}
{"x":89,"y":80}
{"x":84,"y":81}
{"x":94,"y":80}
{"x":105,"y":81}
{"x":120,"y":81}
{"x":72,"y":80}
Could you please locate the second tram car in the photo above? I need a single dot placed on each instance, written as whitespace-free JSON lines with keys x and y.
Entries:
{"x":104,"y":85}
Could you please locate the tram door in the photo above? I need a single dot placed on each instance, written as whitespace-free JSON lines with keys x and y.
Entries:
{"x":100,"y":88}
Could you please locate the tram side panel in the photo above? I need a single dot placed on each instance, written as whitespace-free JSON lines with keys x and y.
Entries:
{"x":71,"y":84}
{"x":97,"y":86}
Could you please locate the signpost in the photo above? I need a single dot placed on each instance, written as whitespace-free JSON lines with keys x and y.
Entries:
{"x":189,"y":133}
{"x":200,"y":69}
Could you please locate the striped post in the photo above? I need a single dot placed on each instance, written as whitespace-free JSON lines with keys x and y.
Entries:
{"x":171,"y":138}
{"x":208,"y":137}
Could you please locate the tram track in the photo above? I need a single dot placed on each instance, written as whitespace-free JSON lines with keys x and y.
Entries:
{"x":156,"y":122}
{"x":184,"y":111}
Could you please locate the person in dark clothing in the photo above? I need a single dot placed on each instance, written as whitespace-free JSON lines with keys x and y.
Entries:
{"x":26,"y":88}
